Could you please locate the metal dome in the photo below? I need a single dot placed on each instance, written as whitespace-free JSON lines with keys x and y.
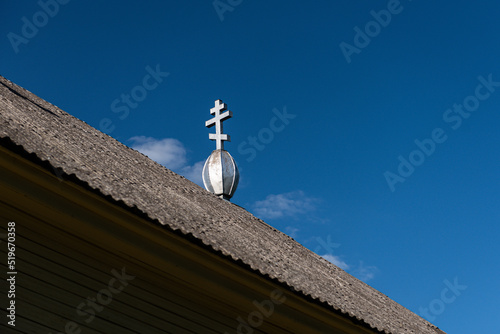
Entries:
{"x":220,"y":174}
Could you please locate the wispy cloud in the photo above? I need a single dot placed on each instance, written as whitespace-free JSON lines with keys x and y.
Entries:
{"x":284,"y":205}
{"x":360,"y":271}
{"x":336,"y":261}
{"x":171,"y":153}
{"x":363,"y":272}
{"x":329,"y":249}
{"x":292,"y":231}
{"x":193,"y":172}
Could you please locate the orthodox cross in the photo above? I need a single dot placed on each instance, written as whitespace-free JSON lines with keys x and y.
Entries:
{"x":218,"y":136}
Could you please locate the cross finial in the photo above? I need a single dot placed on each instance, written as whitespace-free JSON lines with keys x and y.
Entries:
{"x":218,"y":136}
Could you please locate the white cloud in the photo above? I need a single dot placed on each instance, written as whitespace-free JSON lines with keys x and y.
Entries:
{"x":193,"y":172}
{"x":336,"y":261}
{"x":292,"y":231}
{"x":168,"y":151}
{"x":171,"y":153}
{"x":364,"y":273}
{"x":282,"y":205}
{"x":361,"y":271}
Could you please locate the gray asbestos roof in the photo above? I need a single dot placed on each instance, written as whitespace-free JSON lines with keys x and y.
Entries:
{"x":61,"y":142}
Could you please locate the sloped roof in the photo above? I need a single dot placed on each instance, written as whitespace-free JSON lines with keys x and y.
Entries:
{"x":115,"y":170}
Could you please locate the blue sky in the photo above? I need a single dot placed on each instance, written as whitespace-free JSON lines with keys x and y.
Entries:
{"x":383,"y":152}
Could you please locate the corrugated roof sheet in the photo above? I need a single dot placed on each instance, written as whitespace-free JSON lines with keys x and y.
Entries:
{"x":115,"y":170}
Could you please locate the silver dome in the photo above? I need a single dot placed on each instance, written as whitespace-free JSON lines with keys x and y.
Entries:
{"x":220,"y":174}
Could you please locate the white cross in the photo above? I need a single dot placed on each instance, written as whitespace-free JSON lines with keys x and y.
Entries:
{"x":218,"y":136}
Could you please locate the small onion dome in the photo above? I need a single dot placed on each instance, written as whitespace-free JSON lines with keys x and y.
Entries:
{"x":220,"y":174}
